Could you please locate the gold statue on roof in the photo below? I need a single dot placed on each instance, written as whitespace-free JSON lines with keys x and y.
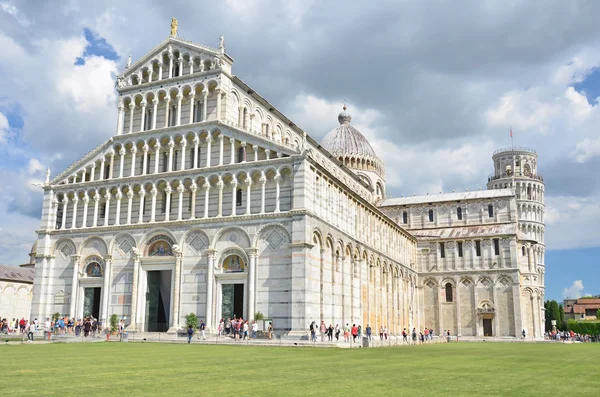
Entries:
{"x":173,"y":27}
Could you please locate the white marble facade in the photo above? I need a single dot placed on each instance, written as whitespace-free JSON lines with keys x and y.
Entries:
{"x":207,"y":195}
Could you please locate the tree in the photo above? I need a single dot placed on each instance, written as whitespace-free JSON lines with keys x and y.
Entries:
{"x":191,"y":320}
{"x":561,"y":324}
{"x":598,"y":314}
{"x":552,"y":313}
{"x":114,"y":324}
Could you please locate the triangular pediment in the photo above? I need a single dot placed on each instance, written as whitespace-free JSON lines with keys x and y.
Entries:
{"x":178,"y":48}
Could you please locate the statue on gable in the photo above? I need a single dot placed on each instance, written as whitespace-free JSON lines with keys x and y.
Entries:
{"x":120,"y":83}
{"x":174,"y":27}
{"x":217,"y":62}
{"x":128,"y":61}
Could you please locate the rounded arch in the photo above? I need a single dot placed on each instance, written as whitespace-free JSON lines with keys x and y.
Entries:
{"x":93,"y":245}
{"x":194,"y":242}
{"x":64,"y":247}
{"x":147,"y":240}
{"x":278,"y":226}
{"x":122,"y":244}
{"x":234,"y":234}
{"x":93,"y":266}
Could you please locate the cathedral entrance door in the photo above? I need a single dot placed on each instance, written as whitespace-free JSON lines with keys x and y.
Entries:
{"x":91,"y":302}
{"x":232,"y":302}
{"x":158,"y":301}
{"x":487,"y":327}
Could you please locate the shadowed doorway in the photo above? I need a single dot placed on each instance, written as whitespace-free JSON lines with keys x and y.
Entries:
{"x":233,"y":300}
{"x":158,"y":301}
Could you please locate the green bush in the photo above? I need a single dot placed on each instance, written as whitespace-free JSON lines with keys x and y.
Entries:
{"x":191,"y":319}
{"x":598,"y":314}
{"x":55,"y":316}
{"x":114,"y":323}
{"x":589,"y":328}
{"x":259,"y":316}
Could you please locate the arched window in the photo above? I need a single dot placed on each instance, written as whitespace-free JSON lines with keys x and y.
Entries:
{"x":164,"y":203}
{"x":238,"y":197}
{"x":107,"y":172}
{"x":459,"y":213}
{"x":430,"y":215}
{"x":148,"y":120}
{"x":175,"y":70}
{"x":490,"y":210}
{"x":175,"y":159}
{"x":448,"y":292}
{"x":172,"y":116}
{"x":267,"y":130}
{"x":59,"y":216}
{"x":148,"y":158}
{"x":405,"y":217}
{"x":241,"y":154}
{"x":192,"y":158}
{"x":165,"y":161}
{"x":198,"y":112}
{"x":523,"y":251}
{"x":244,"y":116}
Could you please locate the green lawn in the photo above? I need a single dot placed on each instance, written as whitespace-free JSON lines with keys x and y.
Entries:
{"x":151,"y":369}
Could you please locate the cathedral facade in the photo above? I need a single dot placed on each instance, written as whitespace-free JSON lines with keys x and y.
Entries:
{"x":208,"y":200}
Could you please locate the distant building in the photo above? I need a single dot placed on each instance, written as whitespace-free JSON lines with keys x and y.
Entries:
{"x":16,"y":285}
{"x":581,"y":308}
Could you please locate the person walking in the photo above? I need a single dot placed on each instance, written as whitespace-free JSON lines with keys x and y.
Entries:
{"x":190,"y":333}
{"x":245,"y":329}
{"x":254,"y":329}
{"x":404,"y":336}
{"x":270,"y":331}
{"x":202,"y":330}
{"x":354,"y":332}
{"x":359,"y":332}
{"x":313,"y":331}
{"x":30,"y":332}
{"x":337,"y":332}
{"x":330,"y":333}
{"x":368,"y":331}
{"x":414,"y":336}
{"x":323,"y":330}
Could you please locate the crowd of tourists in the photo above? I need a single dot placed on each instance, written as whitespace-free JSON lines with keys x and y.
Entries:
{"x":569,"y":336}
{"x":88,"y":327}
{"x":355,"y":333}
{"x":19,"y":327}
{"x":236,"y":328}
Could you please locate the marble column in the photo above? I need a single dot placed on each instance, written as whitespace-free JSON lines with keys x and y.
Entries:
{"x":248,"y":195}
{"x":193,"y":188}
{"x":220,"y":185}
{"x":76,"y":260}
{"x":86,"y":201}
{"x":74,"y":221}
{"x":141,"y":193}
{"x":106,"y":289}
{"x":153,"y":193}
{"x":118,"y":196}
{"x":206,"y":187}
{"x":176,"y":291}
{"x":134,"y":289}
{"x":96,"y":203}
{"x":129,"y":204}
{"x":180,"y":190}
{"x":253,"y":254}
{"x":133,"y":153}
{"x":209,"y":287}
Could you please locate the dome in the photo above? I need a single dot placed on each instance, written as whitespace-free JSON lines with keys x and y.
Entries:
{"x":351,"y":147}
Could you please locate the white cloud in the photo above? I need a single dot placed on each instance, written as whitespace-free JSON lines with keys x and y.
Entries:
{"x":574,"y":291}
{"x":13,"y":11}
{"x":586,"y":149}
{"x":3,"y":128}
{"x":572,"y":222}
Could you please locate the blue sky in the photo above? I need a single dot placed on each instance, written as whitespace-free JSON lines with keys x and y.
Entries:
{"x":440,"y":86}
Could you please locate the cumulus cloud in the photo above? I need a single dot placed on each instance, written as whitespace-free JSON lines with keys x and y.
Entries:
{"x":574,"y":291}
{"x":586,"y":149}
{"x":3,"y":128}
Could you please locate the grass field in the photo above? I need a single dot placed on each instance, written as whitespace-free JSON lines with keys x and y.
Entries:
{"x":151,"y":369}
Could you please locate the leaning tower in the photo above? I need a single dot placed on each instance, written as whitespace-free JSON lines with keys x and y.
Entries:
{"x":517,"y":168}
